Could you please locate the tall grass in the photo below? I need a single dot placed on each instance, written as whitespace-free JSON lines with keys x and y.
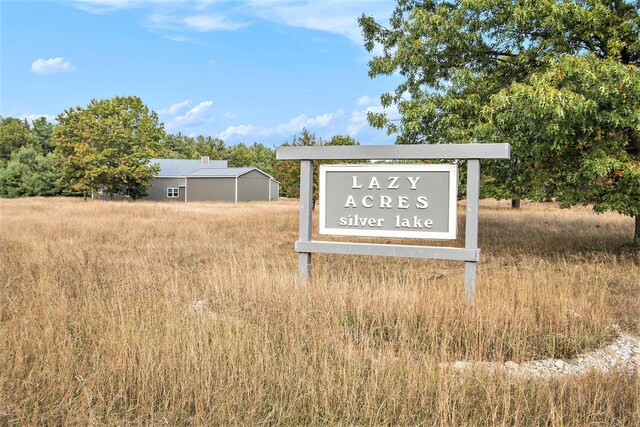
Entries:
{"x":116,"y":312}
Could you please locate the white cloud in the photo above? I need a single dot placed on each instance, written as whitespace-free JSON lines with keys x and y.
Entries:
{"x":293,"y":126}
{"x":180,"y":39}
{"x":51,"y":65}
{"x":364,"y":100}
{"x":244,"y":130}
{"x":194,"y":117}
{"x":183,"y":116}
{"x":101,"y":6}
{"x":107,"y":6}
{"x":205,"y":23}
{"x":357,"y":121}
{"x":333,"y":16}
{"x":200,"y":108}
{"x":358,"y":118}
{"x":298,"y":123}
{"x":176,"y":108}
{"x":198,"y":23}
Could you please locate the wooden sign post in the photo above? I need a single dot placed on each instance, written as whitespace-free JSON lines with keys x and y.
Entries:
{"x":413,"y":201}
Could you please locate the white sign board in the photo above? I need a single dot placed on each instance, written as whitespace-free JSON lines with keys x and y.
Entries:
{"x":415,"y":201}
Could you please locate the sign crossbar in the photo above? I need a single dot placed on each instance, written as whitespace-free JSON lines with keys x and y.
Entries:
{"x":403,"y":251}
{"x":395,"y":152}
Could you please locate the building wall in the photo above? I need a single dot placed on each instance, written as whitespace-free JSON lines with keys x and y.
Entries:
{"x":253,"y":186}
{"x":158,"y":189}
{"x":211,"y":189}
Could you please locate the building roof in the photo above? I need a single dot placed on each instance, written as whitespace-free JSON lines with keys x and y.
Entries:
{"x":182,"y":167}
{"x":226,"y":172}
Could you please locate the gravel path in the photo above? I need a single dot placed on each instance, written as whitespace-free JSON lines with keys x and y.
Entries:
{"x":623,"y":354}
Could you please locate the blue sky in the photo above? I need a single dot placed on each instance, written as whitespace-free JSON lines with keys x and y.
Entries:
{"x":244,"y":71}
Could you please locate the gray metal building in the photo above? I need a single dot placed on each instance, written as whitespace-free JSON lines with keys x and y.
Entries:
{"x":209,"y":180}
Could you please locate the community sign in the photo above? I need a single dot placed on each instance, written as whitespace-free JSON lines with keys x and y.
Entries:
{"x":389,"y":200}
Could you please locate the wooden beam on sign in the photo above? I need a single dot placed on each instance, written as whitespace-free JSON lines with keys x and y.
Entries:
{"x":306,"y":217}
{"x":403,"y":251}
{"x":395,"y":152}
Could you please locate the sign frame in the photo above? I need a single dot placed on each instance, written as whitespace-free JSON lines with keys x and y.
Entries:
{"x":452,"y":171}
{"x":472,"y":153}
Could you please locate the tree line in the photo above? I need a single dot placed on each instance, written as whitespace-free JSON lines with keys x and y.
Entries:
{"x":106,"y":146}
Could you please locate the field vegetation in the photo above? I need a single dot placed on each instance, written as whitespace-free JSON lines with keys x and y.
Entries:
{"x":158,"y":313}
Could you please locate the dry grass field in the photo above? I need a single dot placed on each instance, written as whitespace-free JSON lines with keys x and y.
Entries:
{"x":151,"y":313}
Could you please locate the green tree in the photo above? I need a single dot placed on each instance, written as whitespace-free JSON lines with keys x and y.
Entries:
{"x":558,"y":80}
{"x":14,"y":134}
{"x":287,"y":172}
{"x":107,"y":146}
{"x":30,"y":173}
{"x":43,"y":131}
{"x":240,"y":155}
{"x":265,"y":157}
{"x":255,"y":155}
{"x":576,"y":126}
{"x":335,"y":141}
{"x":178,"y":146}
{"x":341,"y":140}
{"x":214,"y":148}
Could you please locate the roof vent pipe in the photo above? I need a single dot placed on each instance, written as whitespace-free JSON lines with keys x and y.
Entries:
{"x":204,"y":160}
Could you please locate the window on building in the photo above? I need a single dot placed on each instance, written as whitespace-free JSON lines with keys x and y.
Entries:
{"x":173,"y":192}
